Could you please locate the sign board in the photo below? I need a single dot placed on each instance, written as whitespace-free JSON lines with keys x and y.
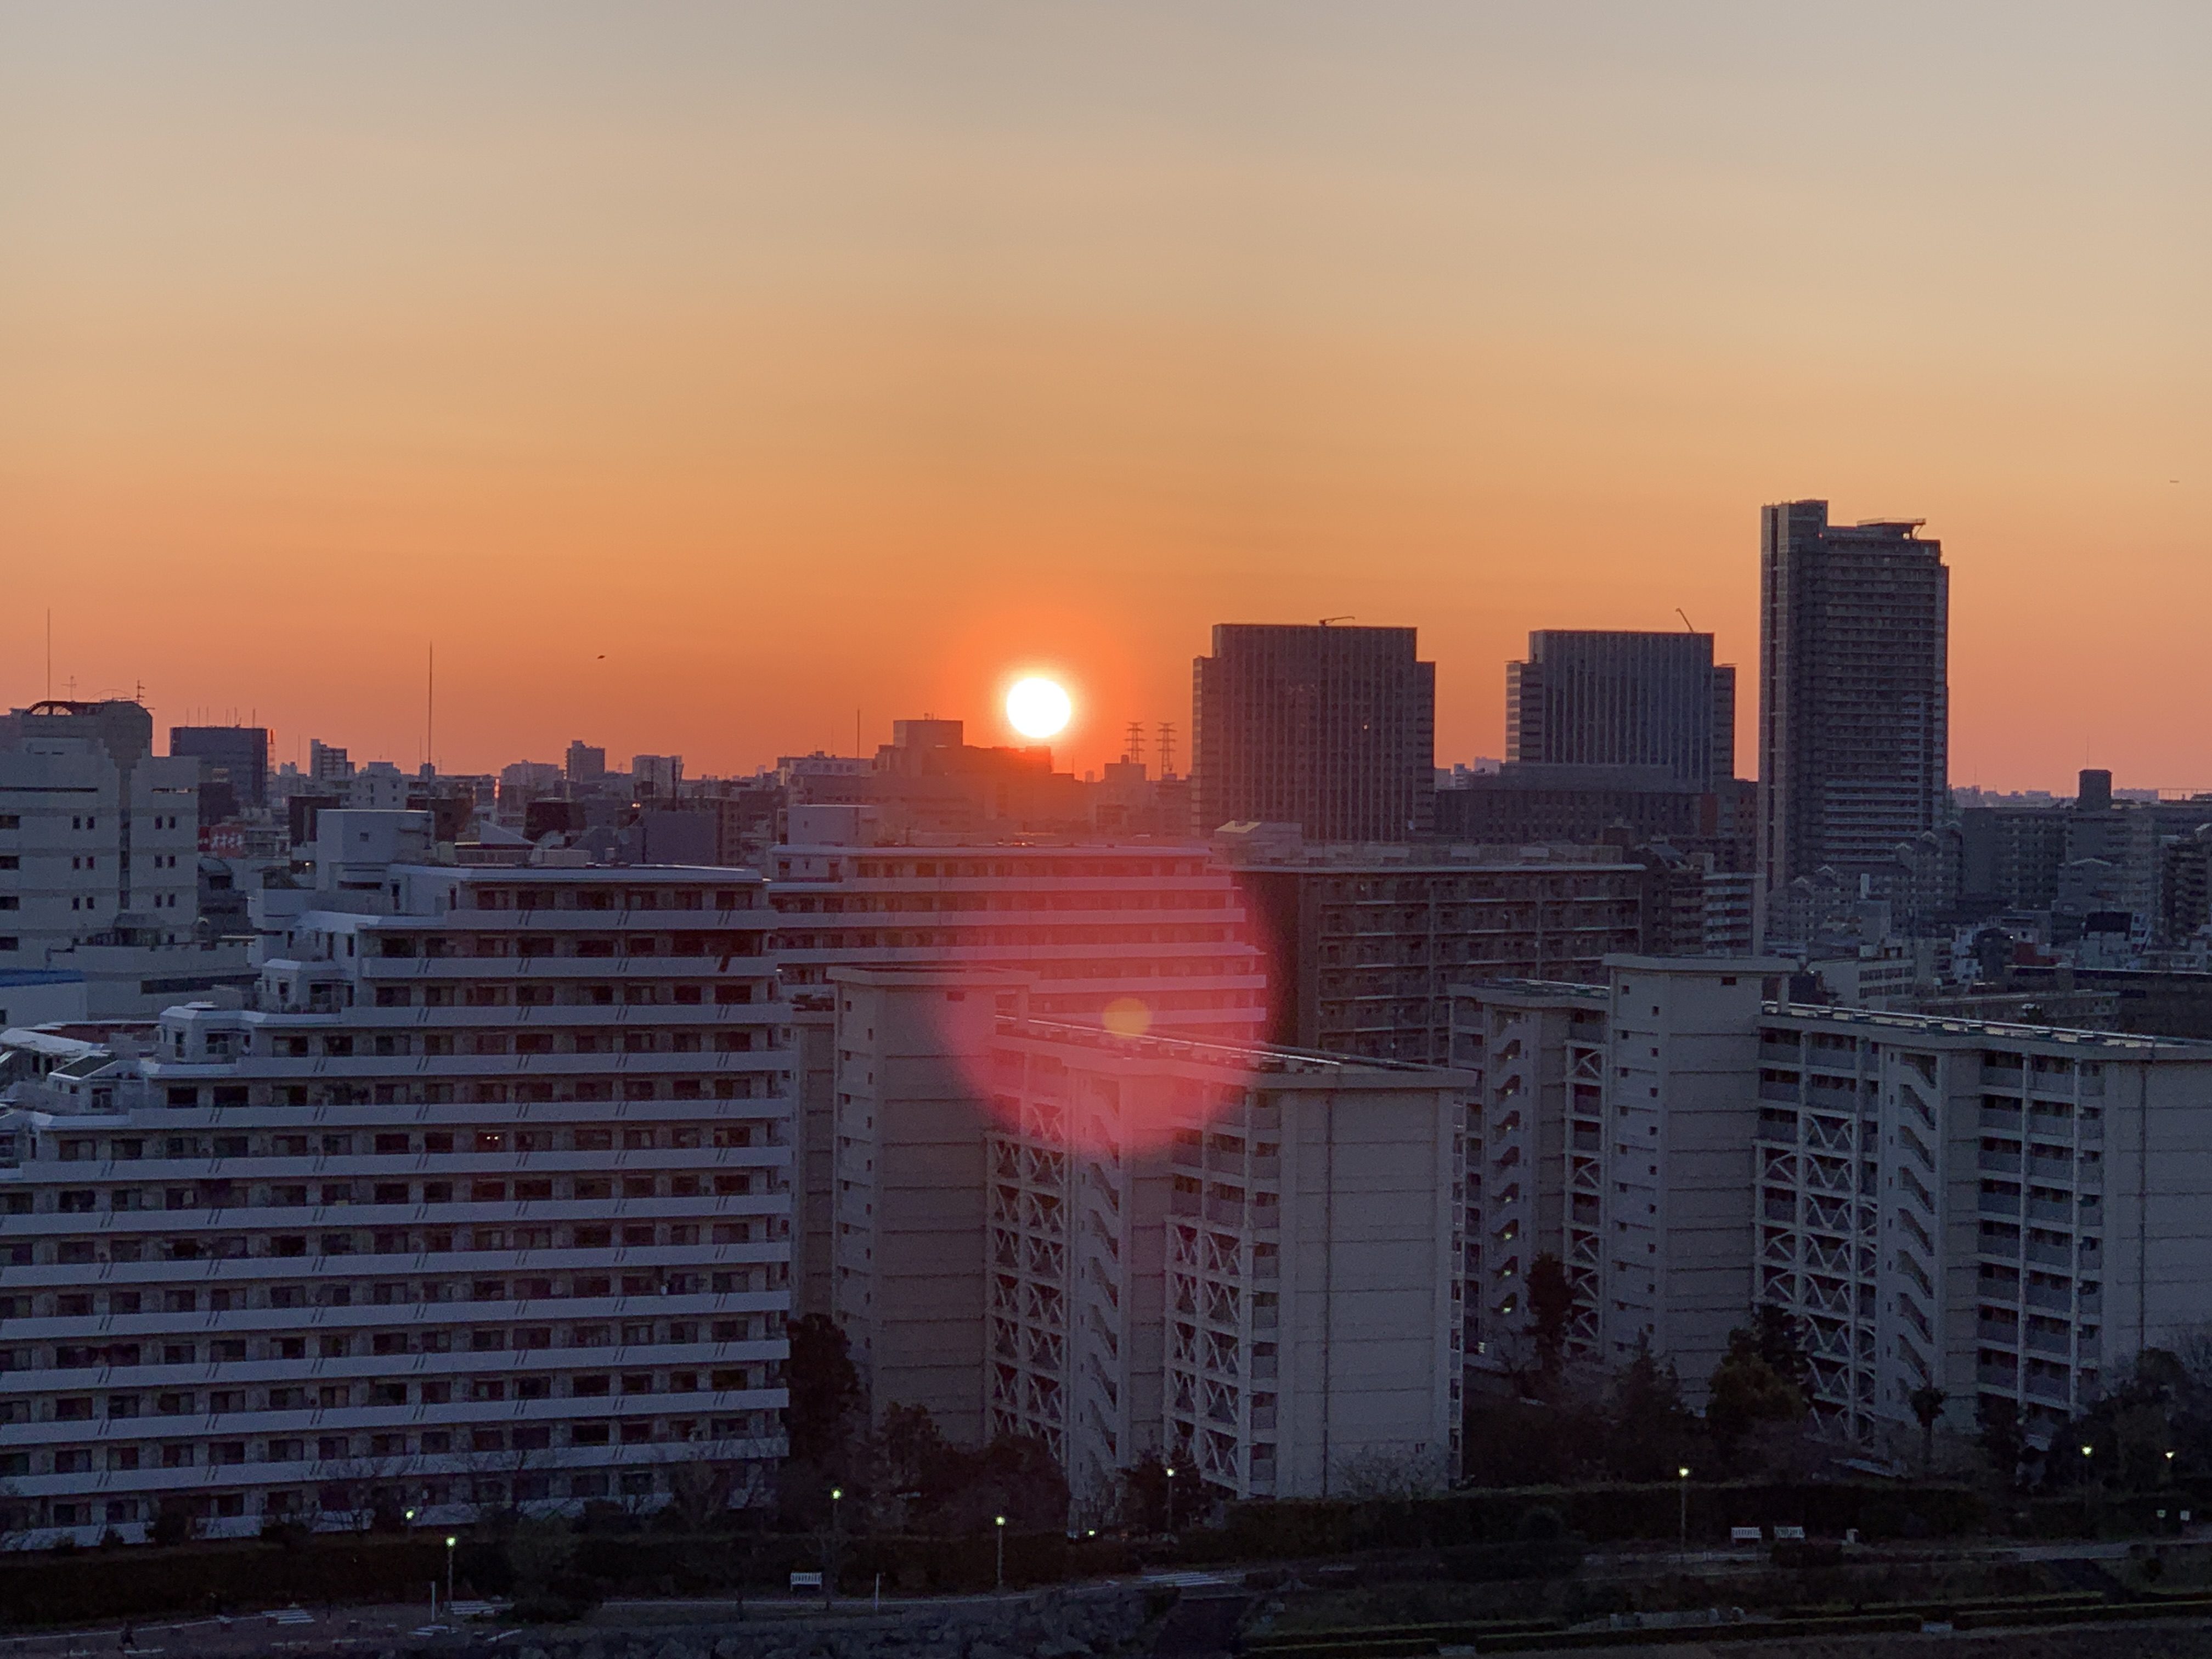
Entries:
{"x":806,"y":1580}
{"x":1744,"y":1534}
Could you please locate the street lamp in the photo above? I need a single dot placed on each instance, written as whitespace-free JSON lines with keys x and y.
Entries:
{"x":1000,"y":1521}
{"x":836,"y":1538}
{"x":449,"y":1541}
{"x":2088,"y":1488}
{"x":1682,"y":1474}
{"x":1170,"y":1498}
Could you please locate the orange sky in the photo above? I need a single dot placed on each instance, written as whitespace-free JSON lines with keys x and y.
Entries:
{"x":695,"y":376}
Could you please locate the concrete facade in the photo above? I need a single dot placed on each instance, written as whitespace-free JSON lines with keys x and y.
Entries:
{"x":484,"y":1200}
{"x":1243,"y":1260}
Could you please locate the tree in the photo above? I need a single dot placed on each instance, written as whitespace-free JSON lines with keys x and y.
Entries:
{"x":1927,"y":1403}
{"x":2003,"y":1441}
{"x":1650,"y":1433}
{"x":1781,"y":1344}
{"x":1551,"y":1305}
{"x":1144,"y":1494}
{"x":825,"y":1391}
{"x":1749,"y":1388}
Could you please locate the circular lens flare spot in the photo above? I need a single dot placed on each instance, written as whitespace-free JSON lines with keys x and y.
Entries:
{"x":1038,"y":709}
{"x":1126,"y":1016}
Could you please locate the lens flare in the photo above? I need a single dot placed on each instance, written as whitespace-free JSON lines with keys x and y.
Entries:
{"x":1038,"y":709}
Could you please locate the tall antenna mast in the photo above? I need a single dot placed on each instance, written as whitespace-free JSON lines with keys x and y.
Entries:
{"x":1133,"y":741}
{"x":430,"y":708}
{"x":49,"y":654}
{"x":1167,"y":747}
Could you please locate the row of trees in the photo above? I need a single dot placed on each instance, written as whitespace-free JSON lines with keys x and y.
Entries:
{"x":1571,"y":1422}
{"x":898,"y":1473}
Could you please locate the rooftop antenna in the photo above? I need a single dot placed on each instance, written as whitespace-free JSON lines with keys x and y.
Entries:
{"x":430,"y":705}
{"x":1685,"y":616}
{"x":1325,"y":621}
{"x":1135,"y":740}
{"x":1167,"y":747}
{"x":49,"y":654}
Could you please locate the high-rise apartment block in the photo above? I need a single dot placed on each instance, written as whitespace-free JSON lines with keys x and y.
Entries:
{"x":484,"y":1200}
{"x":1330,"y":728}
{"x":1242,"y":1259}
{"x":236,"y":754}
{"x":1153,"y":937}
{"x":1997,"y":1210}
{"x":1589,"y":698}
{"x":1853,"y":705}
{"x":1364,"y":949}
{"x":1614,"y":1132}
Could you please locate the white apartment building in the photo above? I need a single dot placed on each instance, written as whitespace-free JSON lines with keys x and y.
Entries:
{"x":483,"y":1200}
{"x":1615,"y":1133}
{"x":88,"y":846}
{"x":1243,"y":1259}
{"x":1997,"y":1210}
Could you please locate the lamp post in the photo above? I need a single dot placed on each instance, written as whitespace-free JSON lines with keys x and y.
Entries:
{"x":2169,"y":1468}
{"x":1682,"y":1477}
{"x":449,"y":1541}
{"x":1001,"y":1524}
{"x":836,"y":1540}
{"x":1170,"y":1498}
{"x":2088,"y":1488}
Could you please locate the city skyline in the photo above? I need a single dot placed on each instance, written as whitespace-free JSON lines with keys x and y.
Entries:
{"x":1052,"y":341}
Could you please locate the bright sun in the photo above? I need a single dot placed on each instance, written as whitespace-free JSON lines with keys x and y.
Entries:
{"x":1037,"y":709}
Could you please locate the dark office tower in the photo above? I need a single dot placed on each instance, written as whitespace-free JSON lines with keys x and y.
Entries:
{"x":241,"y":753}
{"x":587,"y":762}
{"x":1854,"y":702}
{"x":1584,"y":698}
{"x":1333,"y":729}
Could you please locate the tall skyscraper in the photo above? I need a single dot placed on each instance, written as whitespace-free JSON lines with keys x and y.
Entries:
{"x":1590,"y":698}
{"x":1854,"y":702}
{"x":1333,"y":729}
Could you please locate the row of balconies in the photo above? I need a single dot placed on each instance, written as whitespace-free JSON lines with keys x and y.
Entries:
{"x":390,"y":1456}
{"x":65,"y":1418}
{"x":348,"y":1221}
{"x":465,"y":1151}
{"x":538,"y":1197}
{"x":641,"y":1344}
{"x":70,"y":1315}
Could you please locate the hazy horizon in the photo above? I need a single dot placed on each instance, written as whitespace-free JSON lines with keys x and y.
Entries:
{"x":697,"y":377}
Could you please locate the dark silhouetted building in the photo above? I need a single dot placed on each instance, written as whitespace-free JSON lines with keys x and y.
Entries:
{"x":236,"y":754}
{"x":1586,"y":698}
{"x":1333,"y":729}
{"x":1854,"y":707}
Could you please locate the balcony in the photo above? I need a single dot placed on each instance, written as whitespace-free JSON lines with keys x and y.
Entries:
{"x":1998,"y":1163}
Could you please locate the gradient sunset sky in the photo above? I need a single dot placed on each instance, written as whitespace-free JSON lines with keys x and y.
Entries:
{"x":695,"y":376}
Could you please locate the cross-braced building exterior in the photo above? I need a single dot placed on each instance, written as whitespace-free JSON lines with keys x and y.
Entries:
{"x":1994,"y":1211}
{"x":1243,"y":1259}
{"x":482,"y":1201}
